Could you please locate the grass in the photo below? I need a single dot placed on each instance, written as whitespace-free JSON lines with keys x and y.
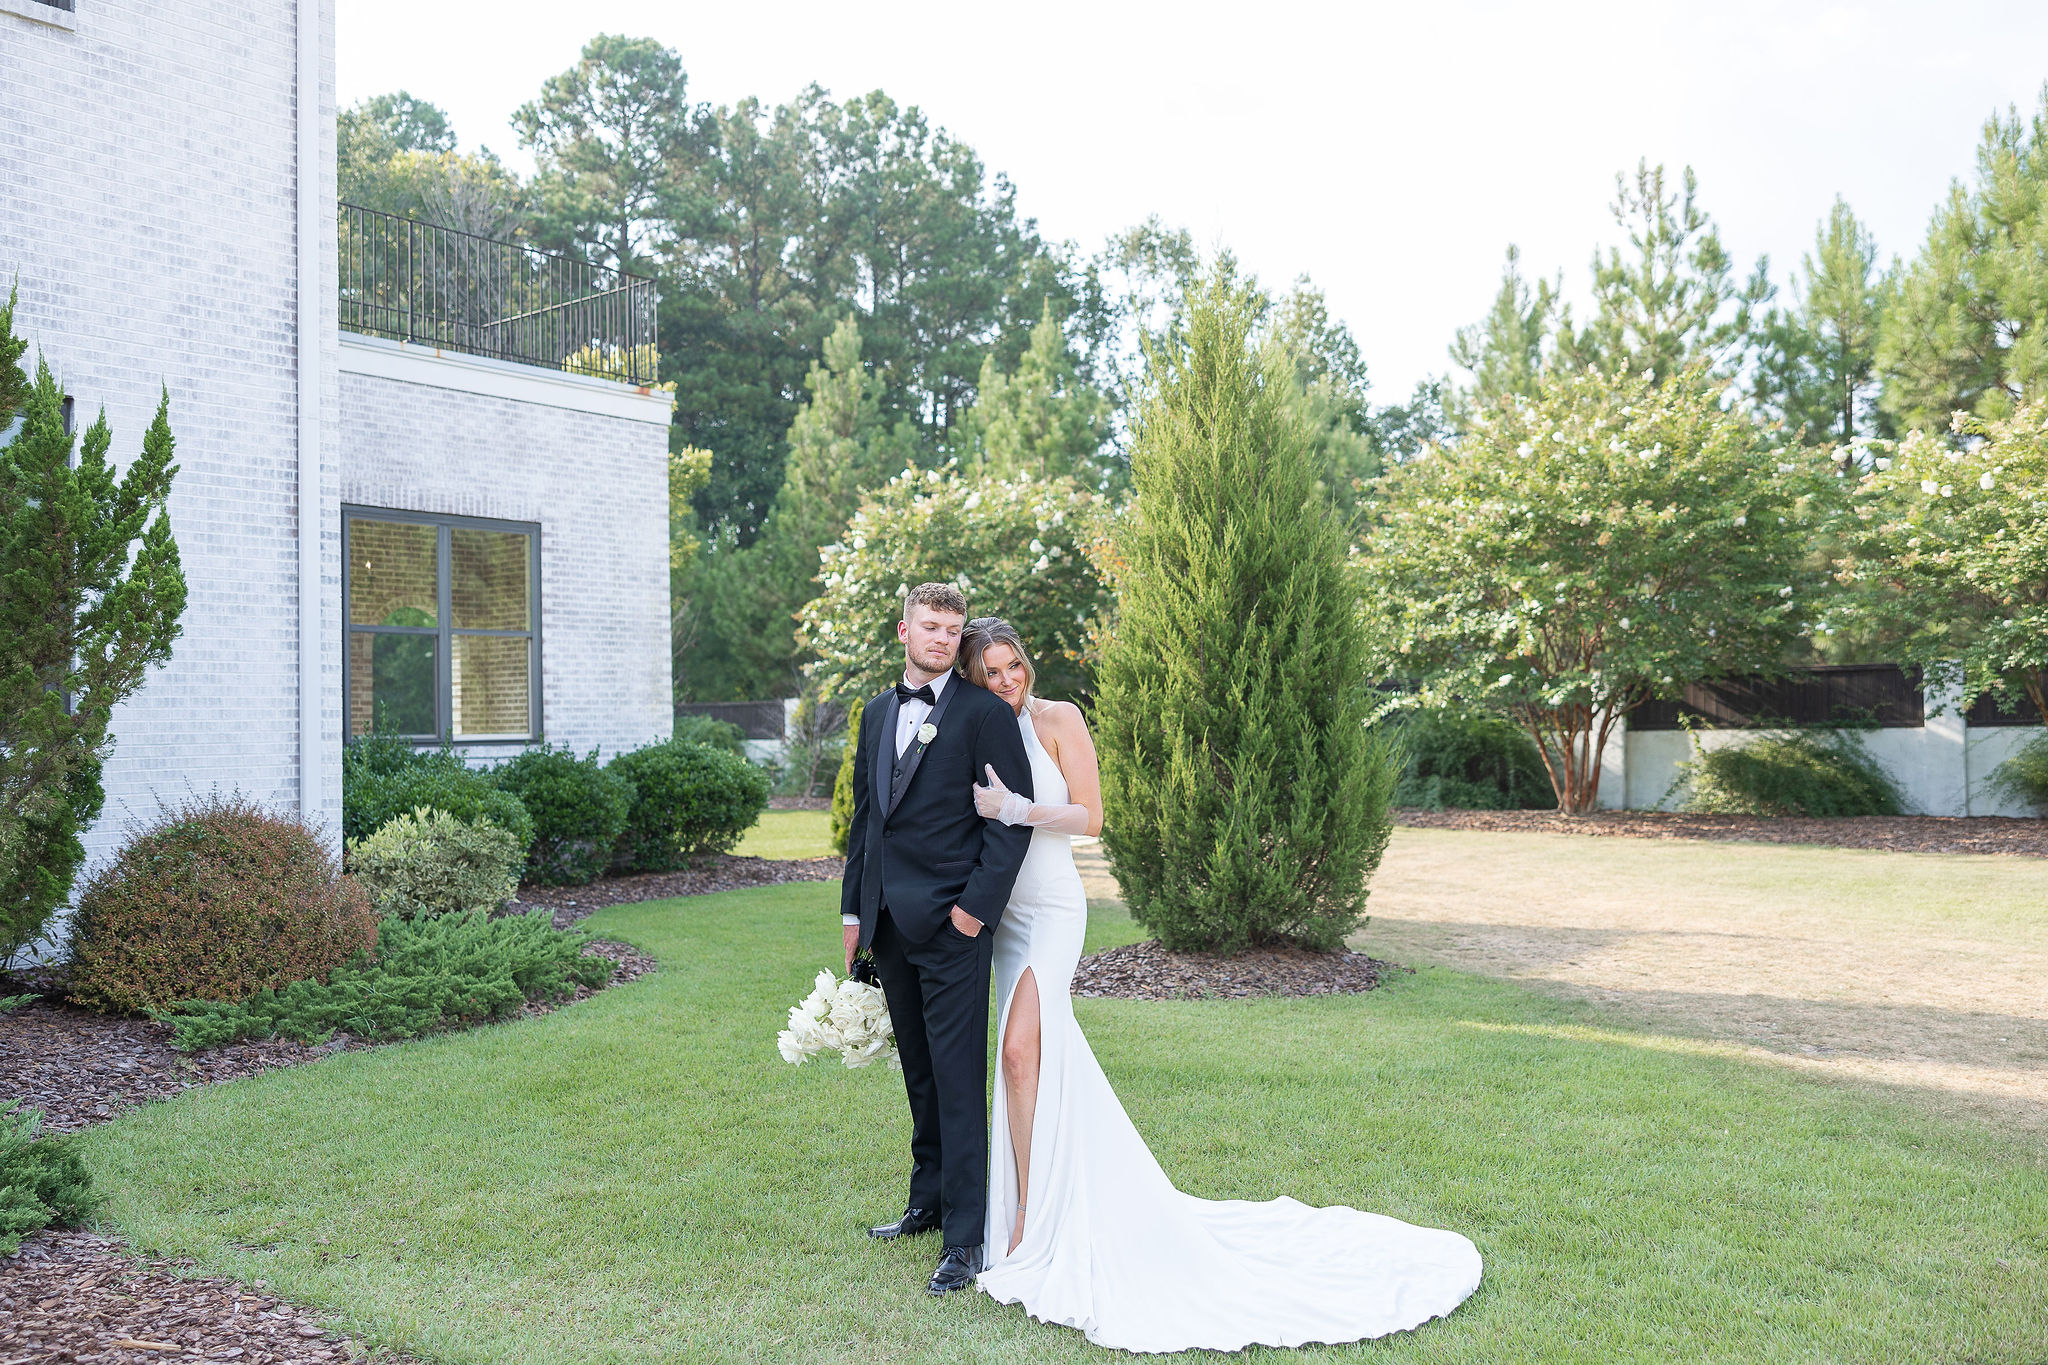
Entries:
{"x":640,"y":1178}
{"x":789,"y":834}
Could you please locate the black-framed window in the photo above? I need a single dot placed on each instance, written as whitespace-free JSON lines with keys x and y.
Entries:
{"x":443,"y":626}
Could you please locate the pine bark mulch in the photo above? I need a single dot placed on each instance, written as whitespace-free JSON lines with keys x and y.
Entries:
{"x":78,"y":1296}
{"x":726,"y":872}
{"x":1147,"y":971}
{"x":2003,"y":835}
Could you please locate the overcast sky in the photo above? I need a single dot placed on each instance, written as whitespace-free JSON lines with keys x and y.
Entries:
{"x":1391,"y":151}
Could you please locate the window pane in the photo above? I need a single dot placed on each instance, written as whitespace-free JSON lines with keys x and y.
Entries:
{"x":391,"y":573}
{"x":490,"y":685}
{"x":390,"y":684}
{"x":488,"y":579}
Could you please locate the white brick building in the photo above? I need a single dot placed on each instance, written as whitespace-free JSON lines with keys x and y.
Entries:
{"x":154,"y":212}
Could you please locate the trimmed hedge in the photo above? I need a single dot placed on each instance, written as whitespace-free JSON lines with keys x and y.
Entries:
{"x":689,"y":800}
{"x":382,"y":779}
{"x":1798,"y":772}
{"x":219,"y":898}
{"x":425,"y":973}
{"x":578,"y":808}
{"x":430,"y":863}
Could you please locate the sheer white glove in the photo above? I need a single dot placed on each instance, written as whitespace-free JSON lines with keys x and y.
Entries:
{"x":997,"y":802}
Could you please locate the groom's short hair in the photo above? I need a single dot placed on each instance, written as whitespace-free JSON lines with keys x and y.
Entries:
{"x":937,"y":596}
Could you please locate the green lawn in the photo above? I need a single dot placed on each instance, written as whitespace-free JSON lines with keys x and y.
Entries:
{"x":789,"y":834}
{"x":640,"y":1178}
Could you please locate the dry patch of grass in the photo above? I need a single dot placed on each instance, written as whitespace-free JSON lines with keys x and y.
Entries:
{"x":1919,"y":970}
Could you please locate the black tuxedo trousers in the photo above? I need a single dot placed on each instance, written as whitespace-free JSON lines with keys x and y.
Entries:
{"x":915,"y":849}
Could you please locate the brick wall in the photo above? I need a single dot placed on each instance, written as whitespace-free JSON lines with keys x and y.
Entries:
{"x":148,"y":207}
{"x":585,"y":458}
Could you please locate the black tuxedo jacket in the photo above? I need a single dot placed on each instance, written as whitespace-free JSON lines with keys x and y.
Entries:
{"x":917,"y":844}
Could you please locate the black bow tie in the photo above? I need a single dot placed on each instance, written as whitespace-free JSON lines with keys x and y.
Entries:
{"x":923,"y":694}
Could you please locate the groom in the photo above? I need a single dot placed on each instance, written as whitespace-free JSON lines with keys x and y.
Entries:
{"x":926,"y":881}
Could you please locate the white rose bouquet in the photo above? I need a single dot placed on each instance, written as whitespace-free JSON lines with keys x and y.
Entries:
{"x":847,"y":1017}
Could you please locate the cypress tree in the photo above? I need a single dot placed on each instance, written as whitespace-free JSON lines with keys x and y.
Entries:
{"x":1245,"y":801}
{"x":90,"y":594}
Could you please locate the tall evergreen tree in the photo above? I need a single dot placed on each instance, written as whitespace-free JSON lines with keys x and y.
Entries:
{"x":1966,"y":322}
{"x":1672,"y":299}
{"x":90,"y":594}
{"x":1246,"y":801}
{"x":1042,"y":418}
{"x":616,"y":137}
{"x":743,"y":600}
{"x":1505,"y":351}
{"x":1816,"y":360}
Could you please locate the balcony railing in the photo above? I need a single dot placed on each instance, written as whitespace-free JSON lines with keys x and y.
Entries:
{"x":440,"y":287}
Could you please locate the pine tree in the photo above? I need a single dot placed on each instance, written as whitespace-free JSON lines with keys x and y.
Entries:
{"x":90,"y":594}
{"x":1245,"y":801}
{"x":840,"y":445}
{"x":1504,"y":353}
{"x":1816,"y":361}
{"x":1042,"y":419}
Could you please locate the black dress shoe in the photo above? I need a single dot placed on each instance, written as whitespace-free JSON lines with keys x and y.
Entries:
{"x":910,"y":1224}
{"x":957,"y":1269}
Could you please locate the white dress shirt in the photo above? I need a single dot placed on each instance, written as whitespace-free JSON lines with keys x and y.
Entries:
{"x":912,"y":714}
{"x":909,"y":716}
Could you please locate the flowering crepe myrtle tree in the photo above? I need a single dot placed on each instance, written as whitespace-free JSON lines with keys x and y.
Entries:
{"x":1950,"y":553}
{"x":1018,"y":547}
{"x":1578,"y":553}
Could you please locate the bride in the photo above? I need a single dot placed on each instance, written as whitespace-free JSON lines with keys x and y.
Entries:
{"x":1084,"y":1229}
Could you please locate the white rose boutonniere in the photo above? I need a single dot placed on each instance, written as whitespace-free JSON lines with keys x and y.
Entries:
{"x":927,"y":732}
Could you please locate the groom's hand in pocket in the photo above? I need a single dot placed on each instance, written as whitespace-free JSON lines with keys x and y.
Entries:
{"x":964,"y":922}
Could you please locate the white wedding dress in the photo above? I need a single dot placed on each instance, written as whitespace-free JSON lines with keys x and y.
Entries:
{"x":1110,"y":1246}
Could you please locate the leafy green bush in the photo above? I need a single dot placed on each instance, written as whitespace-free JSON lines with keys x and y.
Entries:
{"x":719,"y":734}
{"x":425,"y":973}
{"x":1454,"y":760}
{"x":1793,"y":772}
{"x":430,"y":863}
{"x":578,"y":808}
{"x":384,"y":778}
{"x":2024,"y":776}
{"x":219,"y":898}
{"x":42,"y":1181}
{"x":688,"y":800}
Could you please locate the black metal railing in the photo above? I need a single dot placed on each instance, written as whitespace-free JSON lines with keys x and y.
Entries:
{"x":436,"y":286}
{"x":1883,"y":695}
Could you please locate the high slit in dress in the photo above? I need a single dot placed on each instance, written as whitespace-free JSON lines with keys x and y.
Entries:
{"x":1110,"y":1246}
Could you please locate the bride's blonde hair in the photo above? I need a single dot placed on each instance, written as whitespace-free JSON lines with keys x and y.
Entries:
{"x":984,"y":631}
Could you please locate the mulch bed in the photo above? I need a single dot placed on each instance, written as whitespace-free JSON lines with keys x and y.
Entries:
{"x":1146,"y":971}
{"x":78,"y":1296}
{"x":726,"y":872}
{"x":2020,"y":838}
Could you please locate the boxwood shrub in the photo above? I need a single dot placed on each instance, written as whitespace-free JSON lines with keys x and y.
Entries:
{"x":382,"y":779}
{"x":579,"y":809}
{"x":690,"y":800}
{"x":219,"y":899}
